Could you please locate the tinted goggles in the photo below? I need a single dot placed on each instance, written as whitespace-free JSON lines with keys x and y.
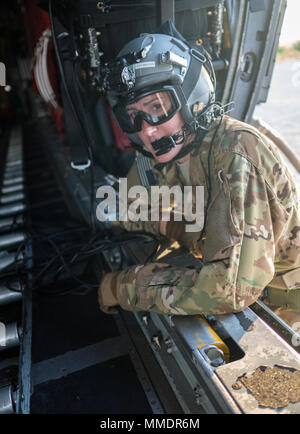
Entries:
{"x":154,"y":107}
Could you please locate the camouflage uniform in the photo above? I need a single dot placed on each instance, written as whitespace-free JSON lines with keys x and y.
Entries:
{"x":251,"y":239}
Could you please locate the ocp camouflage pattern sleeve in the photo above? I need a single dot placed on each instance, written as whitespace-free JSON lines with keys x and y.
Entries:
{"x":236,"y":268}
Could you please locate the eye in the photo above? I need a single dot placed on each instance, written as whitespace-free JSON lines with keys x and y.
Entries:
{"x":156,"y":108}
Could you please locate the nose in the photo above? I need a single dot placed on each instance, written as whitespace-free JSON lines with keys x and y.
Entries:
{"x":148,"y":129}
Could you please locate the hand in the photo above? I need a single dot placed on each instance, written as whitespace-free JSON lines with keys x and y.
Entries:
{"x":107,"y":292}
{"x":175,"y":230}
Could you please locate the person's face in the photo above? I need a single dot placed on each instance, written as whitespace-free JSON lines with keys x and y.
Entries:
{"x":157,"y":105}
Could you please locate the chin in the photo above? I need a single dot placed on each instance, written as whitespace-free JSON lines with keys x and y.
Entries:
{"x":164,"y":158}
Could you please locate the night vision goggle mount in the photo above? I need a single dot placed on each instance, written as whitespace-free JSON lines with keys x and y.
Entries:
{"x":119,"y":74}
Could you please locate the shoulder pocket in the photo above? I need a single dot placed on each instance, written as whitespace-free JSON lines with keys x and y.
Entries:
{"x":221,"y":230}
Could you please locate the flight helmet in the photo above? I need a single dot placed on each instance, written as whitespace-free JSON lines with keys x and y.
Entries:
{"x":181,"y":77}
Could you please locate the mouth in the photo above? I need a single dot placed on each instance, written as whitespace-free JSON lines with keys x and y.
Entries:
{"x":163,"y":145}
{"x":166,"y":143}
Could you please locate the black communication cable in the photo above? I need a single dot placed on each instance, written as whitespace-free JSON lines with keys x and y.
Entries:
{"x":100,"y":248}
{"x":83,"y":251}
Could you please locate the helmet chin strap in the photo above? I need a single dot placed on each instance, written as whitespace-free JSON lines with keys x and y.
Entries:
{"x":217,"y":111}
{"x":185,"y":150}
{"x":165,"y":144}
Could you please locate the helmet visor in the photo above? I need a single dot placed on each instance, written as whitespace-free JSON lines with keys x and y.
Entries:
{"x":154,"y":107}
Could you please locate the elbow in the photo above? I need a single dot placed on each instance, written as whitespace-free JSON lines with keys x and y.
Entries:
{"x":236,"y":298}
{"x":244,"y":298}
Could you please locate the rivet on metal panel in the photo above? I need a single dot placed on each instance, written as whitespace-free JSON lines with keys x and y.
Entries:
{"x":198,"y":395}
{"x":169,"y":345}
{"x":155,"y":341}
{"x":145,"y":319}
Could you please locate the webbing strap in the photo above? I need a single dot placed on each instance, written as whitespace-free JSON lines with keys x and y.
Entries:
{"x":145,"y":170}
{"x":193,"y":72}
{"x":75,"y":134}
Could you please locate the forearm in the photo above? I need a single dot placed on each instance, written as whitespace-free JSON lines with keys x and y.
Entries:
{"x":220,"y":287}
{"x":182,"y":291}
